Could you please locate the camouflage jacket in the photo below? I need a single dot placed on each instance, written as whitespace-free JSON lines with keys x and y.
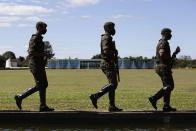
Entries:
{"x":36,"y":45}
{"x":163,"y":46}
{"x":107,"y":44}
{"x":163,"y":65}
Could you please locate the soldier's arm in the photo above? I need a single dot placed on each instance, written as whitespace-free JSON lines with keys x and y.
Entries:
{"x":176,"y":52}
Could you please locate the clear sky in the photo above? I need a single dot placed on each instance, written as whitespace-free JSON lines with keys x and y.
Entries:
{"x":75,"y":26}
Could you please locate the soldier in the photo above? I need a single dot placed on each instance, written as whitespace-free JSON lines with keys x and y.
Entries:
{"x":163,"y":69}
{"x":37,"y":68}
{"x":108,"y":53}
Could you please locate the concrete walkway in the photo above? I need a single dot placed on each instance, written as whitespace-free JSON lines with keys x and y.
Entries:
{"x":88,"y":117}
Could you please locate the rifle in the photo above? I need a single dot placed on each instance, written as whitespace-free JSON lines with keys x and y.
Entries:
{"x":116,"y":62}
{"x":117,"y":68}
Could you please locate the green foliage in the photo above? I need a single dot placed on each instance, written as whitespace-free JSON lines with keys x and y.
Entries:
{"x":9,"y":54}
{"x":98,"y":56}
{"x":22,"y":62}
{"x":2,"y":62}
{"x":181,"y":62}
{"x":139,"y":58}
{"x":185,"y":61}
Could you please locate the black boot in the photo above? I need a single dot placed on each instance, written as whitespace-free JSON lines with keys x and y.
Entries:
{"x":167,"y":107}
{"x":43,"y":106}
{"x":112,"y":107}
{"x":157,"y":96}
{"x":95,"y":97}
{"x":94,"y":100}
{"x":20,"y":97}
{"x":153,"y":102}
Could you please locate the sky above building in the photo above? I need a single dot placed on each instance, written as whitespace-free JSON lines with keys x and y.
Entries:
{"x":75,"y":26}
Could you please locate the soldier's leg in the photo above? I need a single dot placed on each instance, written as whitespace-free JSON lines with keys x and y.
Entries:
{"x":167,"y":99}
{"x":42,"y":88}
{"x":153,"y":100}
{"x":42,"y":94}
{"x":96,"y":96}
{"x":112,"y":98}
{"x":20,"y":97}
{"x":42,"y":91}
{"x":104,"y":90}
{"x":113,"y":79}
{"x":169,"y":83}
{"x":112,"y":106}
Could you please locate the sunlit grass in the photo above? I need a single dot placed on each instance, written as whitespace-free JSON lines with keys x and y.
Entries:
{"x":70,"y":89}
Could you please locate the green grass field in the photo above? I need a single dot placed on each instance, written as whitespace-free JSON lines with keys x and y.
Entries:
{"x":70,"y":89}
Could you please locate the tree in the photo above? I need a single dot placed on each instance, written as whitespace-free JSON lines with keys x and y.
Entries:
{"x":9,"y":54}
{"x":98,"y":56}
{"x":21,"y":58}
{"x":21,"y":61}
{"x":184,"y":57}
{"x":2,"y":61}
{"x":132,"y":58}
{"x":139,"y":58}
{"x":126,"y":58}
{"x":153,"y":57}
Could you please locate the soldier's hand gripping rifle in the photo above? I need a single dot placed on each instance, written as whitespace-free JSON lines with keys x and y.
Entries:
{"x":116,"y":61}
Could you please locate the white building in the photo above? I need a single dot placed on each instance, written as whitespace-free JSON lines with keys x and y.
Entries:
{"x":11,"y":63}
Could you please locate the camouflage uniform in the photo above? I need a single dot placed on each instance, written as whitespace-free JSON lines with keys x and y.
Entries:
{"x":108,"y":68}
{"x":107,"y":63}
{"x":163,"y":69}
{"x":37,"y":68}
{"x":37,"y":63}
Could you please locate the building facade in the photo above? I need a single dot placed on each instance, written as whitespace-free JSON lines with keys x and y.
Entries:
{"x":95,"y":64}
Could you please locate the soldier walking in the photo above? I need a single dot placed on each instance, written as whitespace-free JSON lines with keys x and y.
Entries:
{"x":109,"y":63}
{"x":164,"y":62}
{"x":37,"y":68}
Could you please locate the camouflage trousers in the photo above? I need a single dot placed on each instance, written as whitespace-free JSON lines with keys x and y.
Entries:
{"x":165,"y":74}
{"x":109,"y":70}
{"x":40,"y":77}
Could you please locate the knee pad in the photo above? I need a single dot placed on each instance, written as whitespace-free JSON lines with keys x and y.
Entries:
{"x":167,"y":88}
{"x":34,"y":88}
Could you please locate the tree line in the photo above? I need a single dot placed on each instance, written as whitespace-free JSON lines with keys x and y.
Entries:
{"x":181,"y":62}
{"x":21,"y":61}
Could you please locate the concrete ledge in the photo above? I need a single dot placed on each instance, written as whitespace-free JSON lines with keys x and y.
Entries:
{"x":88,"y":117}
